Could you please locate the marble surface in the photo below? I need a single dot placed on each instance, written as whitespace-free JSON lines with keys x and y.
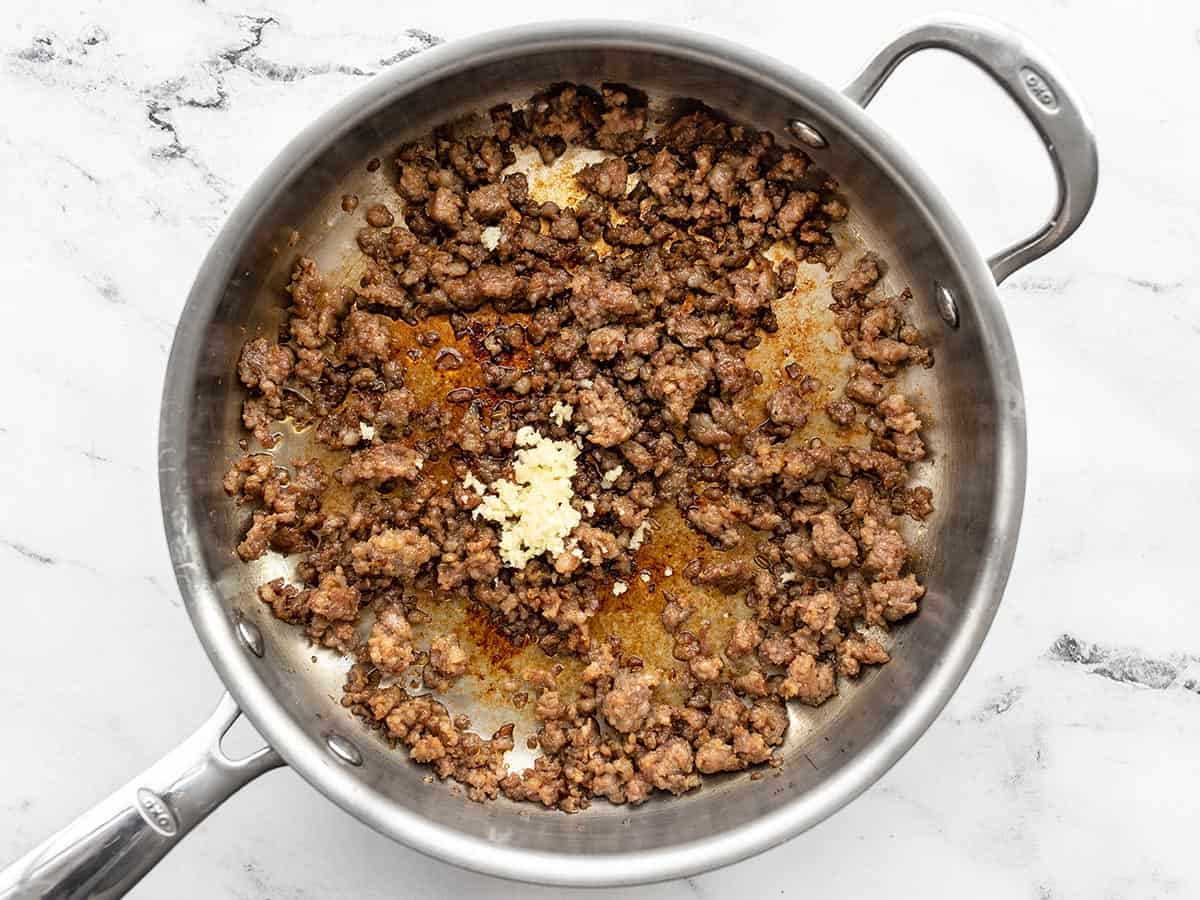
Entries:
{"x":1067,"y":765}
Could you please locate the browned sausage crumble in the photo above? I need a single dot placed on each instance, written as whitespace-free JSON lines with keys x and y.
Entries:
{"x":618,"y":331}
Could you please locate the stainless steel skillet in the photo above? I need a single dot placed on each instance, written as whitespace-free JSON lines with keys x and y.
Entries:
{"x":978,"y":476}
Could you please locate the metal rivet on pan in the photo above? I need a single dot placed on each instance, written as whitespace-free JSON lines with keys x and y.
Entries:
{"x":946,"y":304}
{"x":250,"y":636}
{"x":806,"y":134}
{"x":343,"y":750}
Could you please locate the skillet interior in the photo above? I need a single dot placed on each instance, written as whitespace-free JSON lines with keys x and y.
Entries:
{"x":831,"y":753}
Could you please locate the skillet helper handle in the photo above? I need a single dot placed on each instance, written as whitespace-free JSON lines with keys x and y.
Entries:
{"x":1045,"y":98}
{"x":108,"y":849}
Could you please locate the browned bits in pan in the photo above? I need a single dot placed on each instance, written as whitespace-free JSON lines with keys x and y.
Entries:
{"x":349,"y":202}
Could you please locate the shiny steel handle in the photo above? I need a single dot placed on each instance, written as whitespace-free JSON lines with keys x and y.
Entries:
{"x":108,"y":849}
{"x":1042,"y":94}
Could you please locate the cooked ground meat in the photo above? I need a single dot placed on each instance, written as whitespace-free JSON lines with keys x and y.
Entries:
{"x":608,"y":418}
{"x":393,"y":554}
{"x":606,"y":178}
{"x":841,"y":411}
{"x":786,"y":406}
{"x":447,"y":661}
{"x":676,"y":611}
{"x":808,"y":681}
{"x":669,"y":767}
{"x":334,"y":598}
{"x":705,"y":668}
{"x":379,"y":216}
{"x":729,"y":575}
{"x":495,"y":346}
{"x":626,"y":706}
{"x":390,"y":644}
{"x":381,"y":464}
{"x":489,"y":203}
{"x":832,"y":542}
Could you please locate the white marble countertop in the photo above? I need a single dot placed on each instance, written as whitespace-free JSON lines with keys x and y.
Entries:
{"x":1068,"y":764}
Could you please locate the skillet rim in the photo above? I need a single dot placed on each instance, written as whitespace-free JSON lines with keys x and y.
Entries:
{"x":181,"y":516}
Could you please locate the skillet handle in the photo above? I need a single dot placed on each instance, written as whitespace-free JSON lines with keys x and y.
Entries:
{"x":108,"y":849}
{"x":1042,"y":94}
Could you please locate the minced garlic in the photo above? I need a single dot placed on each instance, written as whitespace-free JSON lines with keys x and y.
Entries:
{"x":560,"y":413}
{"x":533,"y":510}
{"x":619,"y":587}
{"x":609,"y":478}
{"x":639,"y":535}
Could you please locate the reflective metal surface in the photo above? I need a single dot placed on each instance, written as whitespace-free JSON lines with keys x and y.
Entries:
{"x":807,"y":135}
{"x":344,"y":750}
{"x":1031,"y":81}
{"x":977,"y":464}
{"x":106,"y":851}
{"x":946,"y":304}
